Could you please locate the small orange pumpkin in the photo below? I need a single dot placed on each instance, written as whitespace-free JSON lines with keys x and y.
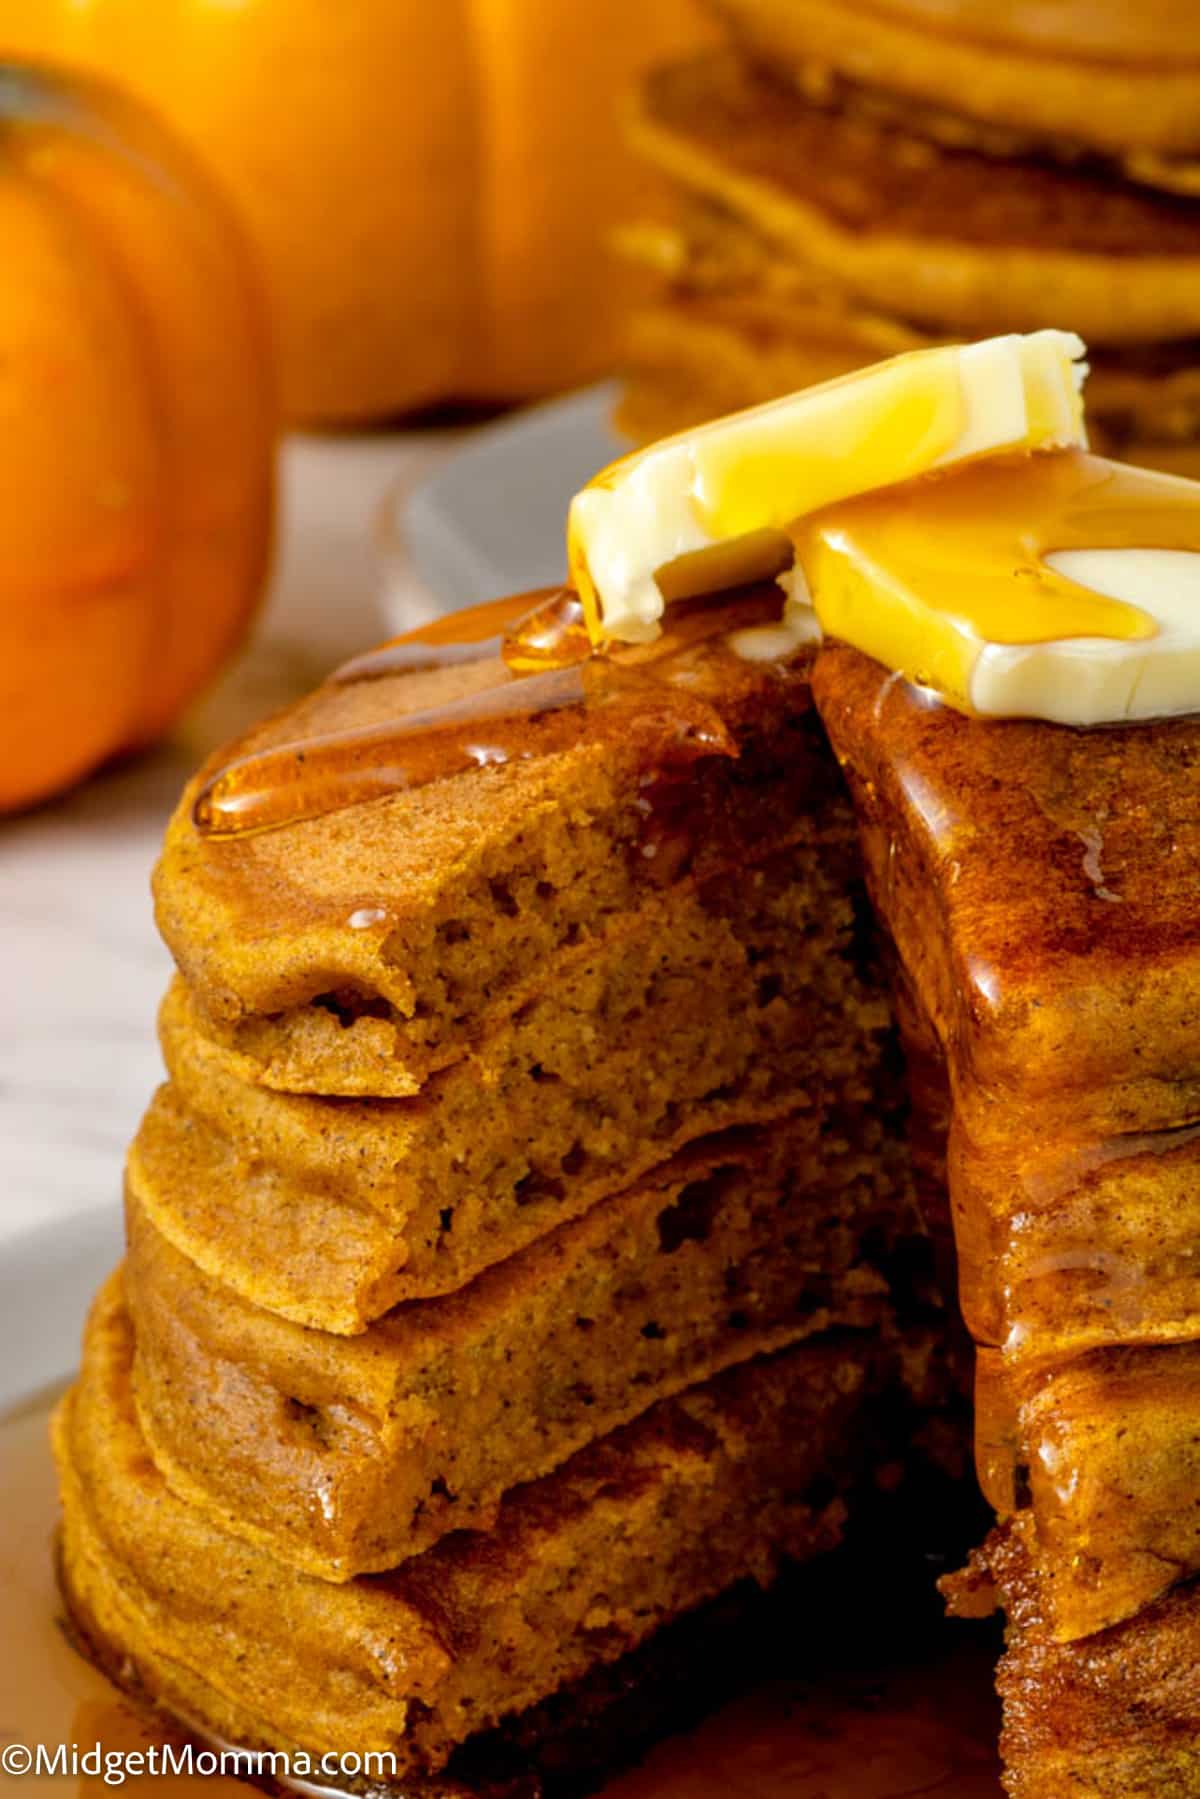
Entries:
{"x":137,"y":431}
{"x":427,"y":183}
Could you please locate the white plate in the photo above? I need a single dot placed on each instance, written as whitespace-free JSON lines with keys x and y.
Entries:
{"x":491,"y":520}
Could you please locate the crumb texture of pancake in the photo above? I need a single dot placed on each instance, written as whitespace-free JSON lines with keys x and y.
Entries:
{"x":706,"y":1489}
{"x":745,"y":998}
{"x":524,"y":1250}
{"x":741,"y":1244}
{"x":358,"y":951}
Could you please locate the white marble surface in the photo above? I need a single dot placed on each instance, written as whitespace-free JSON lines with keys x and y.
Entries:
{"x":81,"y":968}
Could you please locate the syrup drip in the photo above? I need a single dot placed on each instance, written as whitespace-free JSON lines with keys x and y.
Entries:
{"x":442,"y":643}
{"x":924,"y":579}
{"x":550,"y":688}
{"x":734,"y":488}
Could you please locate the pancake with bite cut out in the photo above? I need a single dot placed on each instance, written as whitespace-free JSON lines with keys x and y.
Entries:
{"x":579,"y":1569}
{"x":741,"y":1244}
{"x":358,"y":951}
{"x":748,"y":996}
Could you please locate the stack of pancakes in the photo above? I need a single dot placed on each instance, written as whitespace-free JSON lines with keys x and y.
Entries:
{"x":1040,"y":887}
{"x":522,"y":1250}
{"x":862,"y":177}
{"x":523,"y":1257}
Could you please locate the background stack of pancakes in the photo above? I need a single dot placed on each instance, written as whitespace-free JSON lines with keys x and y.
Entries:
{"x":522,"y":1249}
{"x":861,"y":177}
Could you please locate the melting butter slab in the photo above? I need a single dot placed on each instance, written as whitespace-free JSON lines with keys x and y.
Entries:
{"x":712,"y":508}
{"x":1061,"y":587}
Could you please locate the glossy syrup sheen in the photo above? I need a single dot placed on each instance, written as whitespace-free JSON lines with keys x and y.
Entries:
{"x":1040,"y":883}
{"x":921,"y":579}
{"x":1042,"y":858}
{"x":548,"y":690}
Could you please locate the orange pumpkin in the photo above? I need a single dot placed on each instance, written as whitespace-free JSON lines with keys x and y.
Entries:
{"x":427,"y":181}
{"x":136,"y":431}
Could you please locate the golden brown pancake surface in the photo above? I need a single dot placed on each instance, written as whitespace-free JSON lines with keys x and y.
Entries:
{"x":1041,"y":887}
{"x":372,"y":938}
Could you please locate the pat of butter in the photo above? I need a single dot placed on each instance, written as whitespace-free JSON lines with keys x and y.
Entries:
{"x":1061,"y":587}
{"x":712,"y":508}
{"x":1095,"y":681}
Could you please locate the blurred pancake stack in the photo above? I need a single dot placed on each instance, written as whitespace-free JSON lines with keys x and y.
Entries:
{"x":523,"y":1255}
{"x":861,"y":177}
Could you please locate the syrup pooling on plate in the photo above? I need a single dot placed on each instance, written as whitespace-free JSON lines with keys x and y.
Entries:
{"x":550,"y":689}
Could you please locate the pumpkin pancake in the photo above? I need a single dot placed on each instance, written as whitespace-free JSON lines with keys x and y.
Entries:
{"x":332,"y":1210}
{"x":973,"y":243}
{"x":578,"y":1569}
{"x":478,"y":1333}
{"x":431,"y":1226}
{"x":358,"y":950}
{"x":1060,"y":973}
{"x":1106,"y":1446}
{"x":739,"y":1245}
{"x":1114,"y":76}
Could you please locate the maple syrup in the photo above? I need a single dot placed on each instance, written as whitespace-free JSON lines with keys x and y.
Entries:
{"x":929,"y":578}
{"x":1071,"y":1173}
{"x":449,"y":642}
{"x":547,"y":689}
